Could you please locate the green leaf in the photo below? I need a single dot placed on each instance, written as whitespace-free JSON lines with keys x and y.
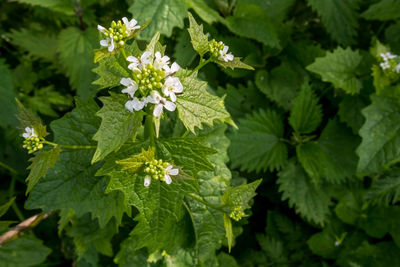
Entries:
{"x":383,"y":10}
{"x":234,"y":64}
{"x":380,"y":135}
{"x":28,"y":119}
{"x":196,"y":106}
{"x":340,"y":18}
{"x":339,"y":68}
{"x":251,"y":21}
{"x":4,"y":208}
{"x":229,"y":232}
{"x":8,"y":108}
{"x":184,"y":53}
{"x":240,"y":195}
{"x":350,"y":112}
{"x":386,"y":190}
{"x":306,"y":113}
{"x":204,"y":11}
{"x":41,"y":163}
{"x":277,"y":87}
{"x":199,"y":40}
{"x":257,"y":144}
{"x":72,"y":183}
{"x":76,"y":56}
{"x":117,"y":125}
{"x":27,"y":250}
{"x":331,"y":157}
{"x":309,"y":201}
{"x":164,"y":16}
{"x":110,"y":71}
{"x":63,"y":6}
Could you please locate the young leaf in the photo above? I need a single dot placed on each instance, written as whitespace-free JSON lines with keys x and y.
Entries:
{"x":380,"y":135}
{"x":164,"y":16}
{"x":339,"y":68}
{"x":339,"y":17}
{"x":311,"y":202}
{"x":306,"y":113}
{"x":387,"y":189}
{"x":199,"y":40}
{"x":332,"y":156}
{"x":383,"y":10}
{"x":256,"y":145}
{"x":28,"y":119}
{"x":197,"y":106}
{"x":240,"y":195}
{"x":117,"y":125}
{"x":234,"y":64}
{"x":41,"y":163}
{"x":110,"y":71}
{"x":229,"y":231}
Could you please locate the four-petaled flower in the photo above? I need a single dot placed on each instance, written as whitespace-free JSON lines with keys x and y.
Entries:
{"x":135,"y":104}
{"x":168,"y":172}
{"x":29,"y":132}
{"x":130,"y":25}
{"x":160,"y":61}
{"x":171,"y":86}
{"x":131,"y":86}
{"x":223,"y":54}
{"x":139,"y":63}
{"x":160,"y":103}
{"x":108,"y":42}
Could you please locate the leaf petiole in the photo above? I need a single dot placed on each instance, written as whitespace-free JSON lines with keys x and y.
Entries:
{"x":68,"y":146}
{"x":208,"y":204}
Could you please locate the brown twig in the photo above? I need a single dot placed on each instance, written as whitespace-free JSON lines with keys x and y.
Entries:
{"x":23,"y":227}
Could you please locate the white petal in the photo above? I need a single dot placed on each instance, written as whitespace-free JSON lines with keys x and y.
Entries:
{"x":178,"y":86}
{"x":169,"y":106}
{"x":137,"y":104}
{"x":147,"y":181}
{"x":132,"y":59}
{"x":229,"y":57}
{"x":103,"y":42}
{"x":145,"y":56}
{"x":166,"y":91}
{"x":158,"y":110}
{"x":173,"y":97}
{"x":129,"y":105}
{"x":126,"y":81}
{"x":225,"y":49}
{"x":28,"y":129}
{"x":168,"y":179}
{"x":101,"y":28}
{"x":174,"y":172}
{"x":125,"y":20}
{"x":158,"y":55}
{"x":169,"y":167}
{"x":397,"y":68}
{"x":25,"y":135}
{"x":133,"y":66}
{"x":156,"y":97}
{"x":111,"y":46}
{"x":174,"y":67}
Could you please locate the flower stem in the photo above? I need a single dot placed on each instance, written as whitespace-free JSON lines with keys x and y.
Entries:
{"x":149,"y":130}
{"x":68,"y":146}
{"x":208,"y":204}
{"x":5,"y":166}
{"x":202,"y":63}
{"x":123,"y":52}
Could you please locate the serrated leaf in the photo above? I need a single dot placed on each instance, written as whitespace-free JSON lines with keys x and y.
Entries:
{"x":135,"y":162}
{"x":117,"y":125}
{"x":331,"y":157}
{"x":229,"y":231}
{"x":383,"y":10}
{"x":164,"y":16}
{"x":340,"y":18}
{"x":199,"y":40}
{"x":72,"y":183}
{"x":339,"y":68}
{"x":350,"y":112}
{"x":8,"y":108}
{"x":4,"y":207}
{"x":306,"y":113}
{"x":41,"y":163}
{"x":234,"y":64}
{"x":24,"y":251}
{"x":196,"y":106}
{"x":380,"y":146}
{"x":251,"y":21}
{"x":386,"y":190}
{"x":256,"y":145}
{"x":63,"y":6}
{"x":76,"y":56}
{"x":28,"y":119}
{"x":184,"y":53}
{"x":240,"y":195}
{"x":204,"y":11}
{"x":309,"y":201}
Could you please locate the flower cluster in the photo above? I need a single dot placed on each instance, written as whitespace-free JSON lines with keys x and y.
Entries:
{"x":389,"y":63}
{"x":152,"y":82}
{"x":219,"y":50}
{"x":159,"y":170}
{"x":118,"y":33}
{"x":32,"y":142}
{"x":237,"y":213}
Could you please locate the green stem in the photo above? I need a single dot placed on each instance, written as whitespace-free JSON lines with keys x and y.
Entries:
{"x":208,"y":204}
{"x":149,"y":130}
{"x":185,"y":133}
{"x":14,"y":205}
{"x":5,"y":166}
{"x":68,"y":146}
{"x":201,"y":64}
{"x":123,"y":53}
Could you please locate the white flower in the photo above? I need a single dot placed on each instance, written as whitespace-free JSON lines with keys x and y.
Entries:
{"x":108,"y":42}
{"x":130,"y":25}
{"x":160,"y":103}
{"x":223,"y":54}
{"x":139,"y":63}
{"x":171,"y":86}
{"x":397,"y":68}
{"x":147,"y":181}
{"x":29,"y":132}
{"x":337,"y":243}
{"x":168,"y":172}
{"x":160,"y":61}
{"x":131,"y":86}
{"x":101,"y":29}
{"x":135,"y":104}
{"x":171,"y":70}
{"x":387,"y":56}
{"x":385,"y":65}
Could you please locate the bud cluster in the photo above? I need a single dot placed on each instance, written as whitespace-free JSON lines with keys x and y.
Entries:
{"x":32,"y":142}
{"x":158,"y":170}
{"x":149,"y":78}
{"x":237,"y":213}
{"x":215,"y":47}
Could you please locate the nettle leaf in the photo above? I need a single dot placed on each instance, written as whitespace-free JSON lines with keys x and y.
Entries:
{"x":28,"y":119}
{"x":41,"y":163}
{"x":8,"y":108}
{"x":240,"y":195}
{"x":234,"y":64}
{"x":383,"y":10}
{"x":76,"y":55}
{"x":110,"y":71}
{"x":256,"y":145}
{"x":276,"y":85}
{"x":72,"y":184}
{"x":350,"y":112}
{"x":117,"y":125}
{"x":380,"y":146}
{"x":27,"y":250}
{"x":306,"y":113}
{"x":340,"y":17}
{"x":197,"y":106}
{"x":199,"y":40}
{"x":386,"y":190}
{"x":310,"y":201}
{"x":204,"y":11}
{"x":250,"y":20}
{"x":339,"y":68}
{"x":63,"y":6}
{"x":331,"y":157}
{"x":164,"y":16}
